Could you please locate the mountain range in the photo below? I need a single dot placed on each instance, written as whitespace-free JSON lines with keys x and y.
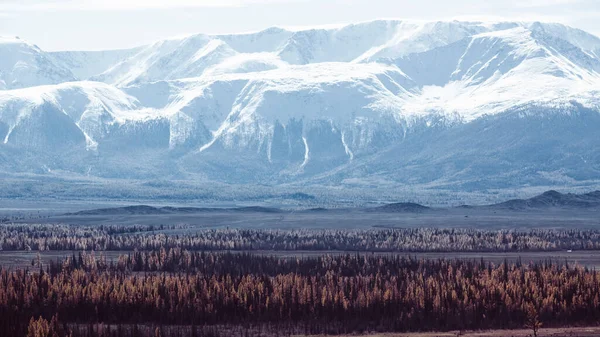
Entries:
{"x":461,"y":106}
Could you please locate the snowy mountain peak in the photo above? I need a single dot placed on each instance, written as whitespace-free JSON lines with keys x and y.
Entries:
{"x":586,"y":42}
{"x":11,"y":40}
{"x":23,"y":65}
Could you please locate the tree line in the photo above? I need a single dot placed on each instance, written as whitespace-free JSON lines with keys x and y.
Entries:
{"x":129,"y":238}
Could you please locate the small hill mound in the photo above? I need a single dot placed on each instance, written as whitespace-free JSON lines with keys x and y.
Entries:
{"x":128,"y":210}
{"x":554,"y":199}
{"x":402,"y":207}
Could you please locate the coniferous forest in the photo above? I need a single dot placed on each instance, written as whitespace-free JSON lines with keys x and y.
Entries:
{"x":170,"y":281}
{"x":181,"y":293}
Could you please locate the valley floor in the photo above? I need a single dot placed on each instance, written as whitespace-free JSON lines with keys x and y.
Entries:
{"x":585,"y":258}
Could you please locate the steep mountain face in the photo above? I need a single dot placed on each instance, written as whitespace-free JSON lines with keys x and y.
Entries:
{"x":66,"y":116}
{"x":527,"y":146}
{"x":491,"y":66}
{"x":292,"y":123}
{"x":87,"y":64}
{"x":455,"y":105}
{"x":24,"y":65}
{"x":169,"y":60}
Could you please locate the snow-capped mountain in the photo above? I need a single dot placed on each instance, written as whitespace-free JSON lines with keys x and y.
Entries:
{"x":24,"y":65}
{"x":87,"y":64}
{"x":492,"y":72}
{"x":455,"y":104}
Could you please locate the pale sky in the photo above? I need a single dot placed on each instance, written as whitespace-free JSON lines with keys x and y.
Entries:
{"x":114,"y":24}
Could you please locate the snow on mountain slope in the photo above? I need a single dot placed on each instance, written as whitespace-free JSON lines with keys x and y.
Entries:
{"x":344,"y":98}
{"x":526,"y":146}
{"x":487,"y":74}
{"x":242,"y":109}
{"x":339,"y":44}
{"x":275,"y":47}
{"x":65,"y":111}
{"x":86,"y":64}
{"x":265,"y":41}
{"x":157,"y":60}
{"x":588,"y":43}
{"x":24,"y":65}
{"x":248,"y":63}
{"x":410,"y":37}
{"x":492,"y":72}
{"x":169,"y":60}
